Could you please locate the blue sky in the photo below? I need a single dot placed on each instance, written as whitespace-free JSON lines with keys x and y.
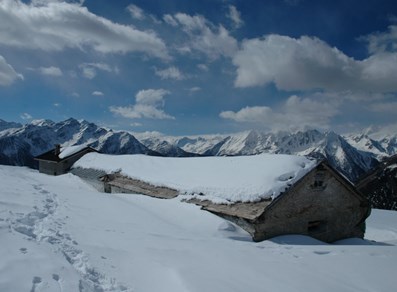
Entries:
{"x":198,"y":67}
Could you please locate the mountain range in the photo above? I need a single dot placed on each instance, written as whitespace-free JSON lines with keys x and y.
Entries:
{"x":19,"y":144}
{"x":353,"y":155}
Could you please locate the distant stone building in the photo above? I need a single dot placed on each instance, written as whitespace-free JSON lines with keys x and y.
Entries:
{"x":59,"y":160}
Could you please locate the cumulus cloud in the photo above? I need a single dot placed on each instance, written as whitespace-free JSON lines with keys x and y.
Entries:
{"x":295,"y":113}
{"x":309,"y":63}
{"x":235,"y":16}
{"x":213,"y":41}
{"x":203,"y":67}
{"x":44,"y":2}
{"x":25,"y":116}
{"x":149,"y":103}
{"x":194,"y":89}
{"x":382,"y":41}
{"x":54,"y":26}
{"x":170,"y":73}
{"x":248,"y":114}
{"x":50,"y":71}
{"x":170,"y":20}
{"x":136,"y":12}
{"x":89,"y":70}
{"x":98,"y":93}
{"x":139,"y":14}
{"x":7,"y":73}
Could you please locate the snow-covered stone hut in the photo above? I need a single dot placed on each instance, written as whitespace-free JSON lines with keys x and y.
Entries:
{"x":60,"y":159}
{"x":267,"y":195}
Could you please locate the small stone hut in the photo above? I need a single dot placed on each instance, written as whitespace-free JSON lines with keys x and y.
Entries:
{"x":320,"y":203}
{"x":60,"y":159}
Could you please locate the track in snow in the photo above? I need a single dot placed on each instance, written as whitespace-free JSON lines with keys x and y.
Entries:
{"x":42,"y":226}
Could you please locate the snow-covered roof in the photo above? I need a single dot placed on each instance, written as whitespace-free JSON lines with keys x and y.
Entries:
{"x":65,"y":152}
{"x":70,"y":150}
{"x":218,"y":179}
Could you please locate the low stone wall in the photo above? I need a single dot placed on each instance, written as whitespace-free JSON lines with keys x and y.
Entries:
{"x":120,"y":184}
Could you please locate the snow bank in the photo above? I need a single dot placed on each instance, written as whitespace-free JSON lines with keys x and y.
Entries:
{"x":219,"y":179}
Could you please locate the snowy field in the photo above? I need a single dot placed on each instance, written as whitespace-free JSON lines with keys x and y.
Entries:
{"x":58,"y":234}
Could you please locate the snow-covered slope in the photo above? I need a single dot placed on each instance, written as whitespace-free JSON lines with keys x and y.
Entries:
{"x":164,"y":147}
{"x":364,"y":143}
{"x":204,"y":145}
{"x":341,"y":155}
{"x":58,"y":234}
{"x":8,"y":125}
{"x":382,"y":142}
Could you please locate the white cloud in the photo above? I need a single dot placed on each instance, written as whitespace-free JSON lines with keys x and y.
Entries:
{"x":248,"y":114}
{"x":149,"y":104}
{"x":44,"y":2}
{"x":153,"y":97}
{"x":54,"y":26}
{"x":25,"y":116}
{"x":204,"y":36}
{"x":98,"y":93}
{"x":170,"y":20}
{"x":203,"y":67}
{"x":139,"y":14}
{"x":295,"y":113}
{"x":382,"y":41}
{"x":195,"y":89}
{"x":235,"y":16}
{"x":50,"y":71}
{"x":7,"y":73}
{"x":309,"y":63}
{"x":170,"y":73}
{"x":136,"y":12}
{"x":89,"y":70}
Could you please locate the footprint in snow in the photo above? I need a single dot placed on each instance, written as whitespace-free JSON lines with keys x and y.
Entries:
{"x":57,"y":278}
{"x":36,"y":282}
{"x":321,"y":252}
